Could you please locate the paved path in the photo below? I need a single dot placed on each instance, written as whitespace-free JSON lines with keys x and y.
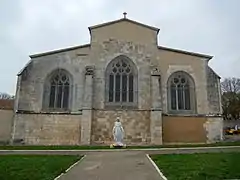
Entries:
{"x":122,"y":164}
{"x":185,"y":150}
{"x":113,"y":166}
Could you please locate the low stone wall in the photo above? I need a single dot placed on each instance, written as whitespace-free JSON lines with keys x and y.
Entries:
{"x":65,"y":129}
{"x":47,"y":129}
{"x":178,"y":129}
{"x":230,"y":123}
{"x":136,"y":124}
{"x":6,"y":121}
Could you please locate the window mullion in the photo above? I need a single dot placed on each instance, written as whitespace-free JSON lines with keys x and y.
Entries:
{"x":121,"y":83}
{"x":184,"y":102}
{"x":114,"y":87}
{"x":121,"y":88}
{"x":70,"y":87}
{"x":62,"y":96}
{"x":191,"y":96}
{"x":177,"y":108}
{"x":127,"y":93}
{"x":55,"y":97}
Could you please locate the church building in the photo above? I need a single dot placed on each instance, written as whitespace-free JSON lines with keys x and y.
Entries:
{"x":162,"y":95}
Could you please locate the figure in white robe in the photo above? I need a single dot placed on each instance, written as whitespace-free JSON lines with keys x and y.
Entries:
{"x":118,"y":132}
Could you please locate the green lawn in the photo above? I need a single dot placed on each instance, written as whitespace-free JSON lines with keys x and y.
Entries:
{"x":23,"y":147}
{"x":32,"y":167}
{"x":214,"y":166}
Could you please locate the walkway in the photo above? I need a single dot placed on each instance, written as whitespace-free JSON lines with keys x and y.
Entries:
{"x":122,"y":164}
{"x":113,"y":166}
{"x":183,"y":150}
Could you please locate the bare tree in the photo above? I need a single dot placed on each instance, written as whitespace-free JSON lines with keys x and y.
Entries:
{"x":231,"y":85}
{"x":5,"y":96}
{"x":231,"y":98}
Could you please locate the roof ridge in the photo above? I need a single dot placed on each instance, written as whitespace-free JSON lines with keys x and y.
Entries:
{"x":186,"y":52}
{"x":123,"y":19}
{"x":59,"y":50}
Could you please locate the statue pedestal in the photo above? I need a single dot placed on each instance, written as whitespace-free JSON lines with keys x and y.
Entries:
{"x":118,"y":145}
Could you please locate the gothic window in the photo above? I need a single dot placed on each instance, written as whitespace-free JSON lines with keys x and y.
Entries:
{"x":181,"y":93}
{"x":57,"y":91}
{"x":121,"y":82}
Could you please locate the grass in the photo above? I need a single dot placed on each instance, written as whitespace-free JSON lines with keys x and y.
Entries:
{"x":32,"y":167}
{"x":26,"y":147}
{"x":214,"y":166}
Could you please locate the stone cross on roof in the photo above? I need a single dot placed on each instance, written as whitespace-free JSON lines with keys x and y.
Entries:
{"x":125,"y":15}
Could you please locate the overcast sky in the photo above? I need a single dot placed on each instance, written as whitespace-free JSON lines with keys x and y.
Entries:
{"x":32,"y":26}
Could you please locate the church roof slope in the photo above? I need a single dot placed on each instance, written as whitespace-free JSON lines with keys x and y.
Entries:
{"x":186,"y":52}
{"x":213,"y":72}
{"x":121,"y":20}
{"x":59,"y":51}
{"x":25,"y":67}
{"x":49,"y":53}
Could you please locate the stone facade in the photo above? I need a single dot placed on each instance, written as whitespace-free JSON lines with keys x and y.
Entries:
{"x":136,"y":126}
{"x":213,"y":92}
{"x":214,"y":126}
{"x":88,"y":115}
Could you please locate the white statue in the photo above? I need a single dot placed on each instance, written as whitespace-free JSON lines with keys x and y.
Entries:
{"x":118,"y":132}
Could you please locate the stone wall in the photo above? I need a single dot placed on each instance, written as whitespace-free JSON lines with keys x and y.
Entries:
{"x":170,"y":62}
{"x":136,"y":125}
{"x":214,"y":129}
{"x":213,"y":91}
{"x":6,"y":121}
{"x":30,"y":87}
{"x":140,"y":54}
{"x":44,"y":129}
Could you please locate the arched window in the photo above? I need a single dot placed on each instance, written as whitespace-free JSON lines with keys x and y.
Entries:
{"x":57,"y":91}
{"x":121,"y":82}
{"x":181,"y":93}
